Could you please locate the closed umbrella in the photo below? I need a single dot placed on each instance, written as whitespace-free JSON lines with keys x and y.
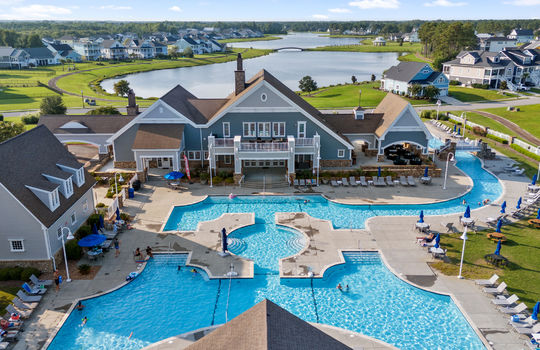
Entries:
{"x":467,"y":213}
{"x":498,"y":250}
{"x":224,"y":243}
{"x":101,"y":221}
{"x":379,"y":172}
{"x":95,"y":230}
{"x":535,"y":311}
{"x":499,"y":225}
{"x":421,"y":216}
{"x":92,"y":240}
{"x":455,"y":127}
{"x":534,"y":179}
{"x":538,"y":214}
{"x":426,"y":172}
{"x":437,"y":240}
{"x":118,"y":213}
{"x":503,"y":207}
{"x":518,"y":206}
{"x":459,"y":131}
{"x":173,"y":175}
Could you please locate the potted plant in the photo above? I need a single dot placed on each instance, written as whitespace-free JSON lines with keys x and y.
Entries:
{"x":326,"y":178}
{"x":204,"y":178}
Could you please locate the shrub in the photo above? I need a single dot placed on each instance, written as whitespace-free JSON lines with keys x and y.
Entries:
{"x":84,"y":269}
{"x":480,"y":86}
{"x":498,"y":139}
{"x":83,"y":231}
{"x":93,"y":219}
{"x":15,"y":273}
{"x":425,"y":114}
{"x":4,"y":274}
{"x":455,"y":82}
{"x":73,"y":251}
{"x":525,"y":152}
{"x":229,"y":181}
{"x":100,"y":205}
{"x":217,"y":180}
{"x":29,"y":271}
{"x":125,"y":216}
{"x":30,"y":119}
{"x":479,"y":131}
{"x":223,"y":174}
{"x":504,"y":85}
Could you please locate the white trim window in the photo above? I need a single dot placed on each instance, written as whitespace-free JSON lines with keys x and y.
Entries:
{"x":73,"y":218}
{"x":59,"y":233}
{"x":301,"y":130}
{"x":341,"y":153}
{"x":249,"y":129}
{"x":69,"y":187}
{"x":80,"y":177}
{"x":194,"y":155}
{"x":227,"y":159}
{"x":16,"y":245}
{"x":279,"y":129}
{"x":226,"y":129}
{"x":54,"y":199}
{"x":264,"y":129}
{"x":206,"y":155}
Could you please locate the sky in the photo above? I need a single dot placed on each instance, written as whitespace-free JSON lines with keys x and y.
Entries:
{"x":267,"y":10}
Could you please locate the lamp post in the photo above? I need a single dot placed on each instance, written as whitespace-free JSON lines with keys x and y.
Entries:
{"x":69,"y":237}
{"x":448,"y":159}
{"x":318,"y":167}
{"x":438,"y":105}
{"x":82,"y":99}
{"x":464,"y":238}
{"x":121,"y":179}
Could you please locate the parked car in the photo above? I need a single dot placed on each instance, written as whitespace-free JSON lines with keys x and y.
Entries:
{"x":90,"y":102}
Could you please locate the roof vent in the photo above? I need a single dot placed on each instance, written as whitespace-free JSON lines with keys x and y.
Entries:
{"x":358,"y":113}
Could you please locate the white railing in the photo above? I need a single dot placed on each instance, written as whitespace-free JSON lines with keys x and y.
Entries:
{"x":133,"y":179}
{"x":225,"y":142}
{"x":264,"y":147}
{"x":112,"y":208}
{"x":303,"y":142}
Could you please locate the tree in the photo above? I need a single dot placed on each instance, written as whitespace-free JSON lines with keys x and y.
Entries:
{"x":307,"y":84}
{"x":121,"y":87}
{"x":415,"y":90}
{"x":353,"y":79}
{"x":400,"y":41}
{"x":188,"y":52}
{"x":504,"y":85}
{"x":62,"y":61}
{"x":105,"y":110}
{"x":431,"y":92}
{"x":10,"y":129}
{"x":52,"y":105}
{"x":373,"y":77}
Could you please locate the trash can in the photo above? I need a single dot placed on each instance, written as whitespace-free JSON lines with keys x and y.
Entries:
{"x":131,"y":192}
{"x":137,"y":185}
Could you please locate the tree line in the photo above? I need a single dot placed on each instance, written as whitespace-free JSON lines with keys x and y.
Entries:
{"x":15,"y":39}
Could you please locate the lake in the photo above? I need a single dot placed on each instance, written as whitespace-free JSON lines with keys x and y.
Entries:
{"x":289,"y":66}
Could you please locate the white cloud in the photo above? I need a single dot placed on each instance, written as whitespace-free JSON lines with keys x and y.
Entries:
{"x":175,"y":9}
{"x":9,"y":2}
{"x":372,"y":4}
{"x":339,"y":10}
{"x":444,"y":3}
{"x":36,"y":11}
{"x":320,"y":16}
{"x":523,"y":2}
{"x":115,"y":8}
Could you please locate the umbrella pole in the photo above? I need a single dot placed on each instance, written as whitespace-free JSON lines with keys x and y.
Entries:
{"x":464,"y":237}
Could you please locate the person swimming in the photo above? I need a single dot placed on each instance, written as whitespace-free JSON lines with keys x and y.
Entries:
{"x":84,"y":320}
{"x":79,"y":306}
{"x":339,"y":287}
{"x":195,"y":272}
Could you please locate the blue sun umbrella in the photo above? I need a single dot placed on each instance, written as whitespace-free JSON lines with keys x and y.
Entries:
{"x":535,"y":177}
{"x":118,"y":213}
{"x":92,"y":240}
{"x":379,"y":172}
{"x":173,"y":175}
{"x":95,"y":229}
{"x":421,"y":216}
{"x":498,"y":250}
{"x":499,"y":225}
{"x":535,"y":311}
{"x":538,"y":214}
{"x":437,"y":240}
{"x":503,"y":207}
{"x":455,"y":127}
{"x":459,"y":131}
{"x":518,"y":206}
{"x":224,"y":242}
{"x":101,"y":221}
{"x":467,"y":213}
{"x":426,"y":170}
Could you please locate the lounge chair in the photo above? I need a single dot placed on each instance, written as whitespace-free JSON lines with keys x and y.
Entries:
{"x":4,"y":345}
{"x":303,"y":182}
{"x":334,"y":183}
{"x":363,"y":181}
{"x":449,"y":227}
{"x":344,"y":182}
{"x":490,"y":282}
{"x":22,"y":305}
{"x":499,"y":290}
{"x":410,"y":181}
{"x":519,"y":171}
{"x":314,"y":182}
{"x":511,"y":300}
{"x":389,"y":180}
{"x":39,"y":282}
{"x":13,"y":326}
{"x":9,"y":335}
{"x":24,"y":313}
{"x":528,"y":330}
{"x":526,"y":323}
{"x":403,"y":181}
{"x":33,"y":291}
{"x":352,"y":181}
{"x":514,"y":310}
{"x":296,"y":183}
{"x":28,"y":298}
{"x":381,"y":181}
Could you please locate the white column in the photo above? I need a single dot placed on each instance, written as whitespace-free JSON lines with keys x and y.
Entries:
{"x":175,"y":161}
{"x":237,"y":161}
{"x":317,"y":151}
{"x":290,"y":161}
{"x":139,"y":161}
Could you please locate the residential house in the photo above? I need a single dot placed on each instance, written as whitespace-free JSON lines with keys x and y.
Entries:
{"x":496,"y":43}
{"x":411,"y":37}
{"x":160,"y":48}
{"x":113,"y":50}
{"x":400,"y":78}
{"x":262,"y":124}
{"x":216,"y":46}
{"x":522,"y":35}
{"x":13,"y":58}
{"x":535,"y":45}
{"x":42,"y":56}
{"x":140,"y":48}
{"x":65,"y":51}
{"x":67,"y":39}
{"x":45,"y":193}
{"x":89,"y":50}
{"x":186,"y":42}
{"x":379,"y":41}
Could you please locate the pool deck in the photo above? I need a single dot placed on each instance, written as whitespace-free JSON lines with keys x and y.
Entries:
{"x":394,"y":237}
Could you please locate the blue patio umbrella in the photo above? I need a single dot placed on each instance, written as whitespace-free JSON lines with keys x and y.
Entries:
{"x":498,"y":250}
{"x":518,"y":206}
{"x":379,"y":172}
{"x":535,"y":177}
{"x":92,"y":240}
{"x":224,"y":242}
{"x":426,"y":170}
{"x":173,"y":175}
{"x":499,"y":225}
{"x":437,"y":240}
{"x":421,"y":216}
{"x":101,"y":221}
{"x":118,"y":213}
{"x":467,"y":213}
{"x":95,"y":229}
{"x":459,"y":131}
{"x":455,"y":127}
{"x":535,"y":311}
{"x":538,"y":214}
{"x":503,"y":207}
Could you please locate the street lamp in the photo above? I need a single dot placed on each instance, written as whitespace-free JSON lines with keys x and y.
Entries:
{"x":121,"y":179}
{"x":438,"y":105}
{"x":82,"y":99}
{"x":449,"y":158}
{"x":69,"y":237}
{"x":464,"y":238}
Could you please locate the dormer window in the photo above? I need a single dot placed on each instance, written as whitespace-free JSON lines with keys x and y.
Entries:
{"x":54,"y":200}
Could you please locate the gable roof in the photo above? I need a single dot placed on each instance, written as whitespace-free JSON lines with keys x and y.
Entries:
{"x":484,"y":59}
{"x":267,"y":326}
{"x":523,"y":31}
{"x":39,"y":52}
{"x":404,"y":71}
{"x":31,"y":154}
{"x":348,"y":124}
{"x":94,"y":124}
{"x":61,"y":47}
{"x":391,"y":107}
{"x":158,"y":136}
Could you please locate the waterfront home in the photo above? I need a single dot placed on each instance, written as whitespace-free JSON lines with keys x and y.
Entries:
{"x":194,"y":45}
{"x":401,"y":78}
{"x":521,"y":35}
{"x":379,"y":41}
{"x":136,"y":48}
{"x":11,"y":58}
{"x":89,"y":50}
{"x":113,"y":50}
{"x":42,"y":56}
{"x":160,"y":49}
{"x":68,"y":39}
{"x":44,"y":194}
{"x":65,"y":51}
{"x":496,"y":43}
{"x":263,"y":124}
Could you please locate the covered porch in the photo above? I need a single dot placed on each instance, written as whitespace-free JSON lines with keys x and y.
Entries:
{"x":158,"y":146}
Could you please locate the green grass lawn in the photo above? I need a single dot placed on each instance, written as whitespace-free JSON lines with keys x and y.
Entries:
{"x":528,"y":117}
{"x":522,"y":250}
{"x":412,"y":57}
{"x":477,"y":95}
{"x":366,"y":46}
{"x":265,"y":38}
{"x":6,"y":295}
{"x":485,"y":121}
{"x":535,"y":90}
{"x":343,"y":96}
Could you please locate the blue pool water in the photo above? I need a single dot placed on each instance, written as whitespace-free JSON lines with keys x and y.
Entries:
{"x":163,"y":302}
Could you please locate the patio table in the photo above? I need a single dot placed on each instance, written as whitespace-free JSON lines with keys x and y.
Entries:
{"x":422,"y":226}
{"x":370,"y":182}
{"x":495,"y":236}
{"x":106,"y":244}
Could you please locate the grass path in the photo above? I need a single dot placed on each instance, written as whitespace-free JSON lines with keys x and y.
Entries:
{"x":524,"y":134}
{"x":528,"y":118}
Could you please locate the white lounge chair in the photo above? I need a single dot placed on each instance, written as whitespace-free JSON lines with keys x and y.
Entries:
{"x":344,"y":182}
{"x":39,"y":282}
{"x":403,"y":181}
{"x":303,"y":182}
{"x":511,"y":300}
{"x":536,"y":337}
{"x":490,"y":282}
{"x":514,"y":310}
{"x":381,"y":181}
{"x":334,"y":183}
{"x":352,"y":181}
{"x":28,"y":298}
{"x":363,"y":181}
{"x":24,"y":313}
{"x":296,"y":183}
{"x":528,"y":330}
{"x":499,"y":290}
{"x":389,"y":181}
{"x":526,"y":323}
{"x":22,"y":305}
{"x":519,"y":171}
{"x":411,"y":181}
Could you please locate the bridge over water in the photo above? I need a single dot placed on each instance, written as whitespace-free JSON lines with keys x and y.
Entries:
{"x":289,"y":48}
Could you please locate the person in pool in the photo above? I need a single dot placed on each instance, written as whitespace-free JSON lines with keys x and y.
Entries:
{"x":79,"y":306}
{"x":84,"y":320}
{"x":339,"y":287}
{"x":195,"y":272}
{"x":149,"y":251}
{"x":138,"y":255}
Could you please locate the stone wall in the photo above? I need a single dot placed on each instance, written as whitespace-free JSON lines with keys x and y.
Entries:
{"x":125,"y":165}
{"x":406,"y":170}
{"x":42,"y":265}
{"x":335,"y":163}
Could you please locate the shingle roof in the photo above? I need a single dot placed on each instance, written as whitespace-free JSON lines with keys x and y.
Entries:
{"x":267,"y":326}
{"x":158,"y":136}
{"x":39,"y":52}
{"x":404,"y":71}
{"x":347,"y":124}
{"x":523,"y":31}
{"x":484,"y":59}
{"x":31,"y":154}
{"x":188,"y":105}
{"x":95,"y":124}
{"x":61,"y":47}
{"x":391,"y":106}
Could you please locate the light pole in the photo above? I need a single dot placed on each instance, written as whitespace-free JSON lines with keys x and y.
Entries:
{"x":464,"y":238}
{"x":121,"y":179}
{"x":438,"y":105}
{"x":449,"y":158}
{"x":82,"y":99}
{"x":318,"y":167}
{"x":538,"y":173}
{"x":69,"y":237}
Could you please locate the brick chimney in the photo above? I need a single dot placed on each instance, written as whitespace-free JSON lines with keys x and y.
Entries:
{"x":132,"y":107}
{"x":239,"y":76}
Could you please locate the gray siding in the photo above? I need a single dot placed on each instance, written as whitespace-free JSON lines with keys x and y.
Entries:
{"x":17,"y":223}
{"x":418,"y":137}
{"x":272,"y":99}
{"x":123,"y":144}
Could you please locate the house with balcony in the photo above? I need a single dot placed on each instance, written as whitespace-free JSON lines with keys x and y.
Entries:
{"x":89,"y":50}
{"x":44,"y":193}
{"x":522,"y":35}
{"x":113,"y":50}
{"x":11,"y":58}
{"x":496,"y":43}
{"x":401,"y":78}
{"x":140,"y":48}
{"x":261,"y":125}
{"x":185,"y":42}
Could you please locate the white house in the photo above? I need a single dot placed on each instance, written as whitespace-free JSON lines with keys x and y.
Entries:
{"x":522,"y":35}
{"x":13,"y":58}
{"x":113,"y":50}
{"x":140,"y":48}
{"x":89,"y":50}
{"x":42,"y":56}
{"x":186,"y":42}
{"x":496,"y":43}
